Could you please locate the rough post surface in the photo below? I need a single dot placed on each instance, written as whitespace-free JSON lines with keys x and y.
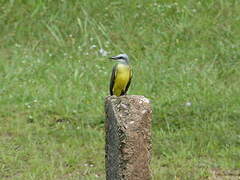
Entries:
{"x":128,"y":138}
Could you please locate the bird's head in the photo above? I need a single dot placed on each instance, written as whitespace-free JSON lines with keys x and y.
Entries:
{"x":122,"y":58}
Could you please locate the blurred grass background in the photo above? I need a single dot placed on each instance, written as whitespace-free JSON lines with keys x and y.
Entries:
{"x":54,"y":76}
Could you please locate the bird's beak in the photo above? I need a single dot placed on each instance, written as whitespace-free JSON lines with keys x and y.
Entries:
{"x":113,"y":58}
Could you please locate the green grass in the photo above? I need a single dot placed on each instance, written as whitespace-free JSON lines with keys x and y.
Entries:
{"x":53,"y":81}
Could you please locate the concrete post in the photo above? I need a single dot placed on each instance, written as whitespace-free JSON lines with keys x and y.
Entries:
{"x":128,"y":138}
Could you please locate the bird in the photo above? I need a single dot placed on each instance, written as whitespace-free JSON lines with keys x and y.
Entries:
{"x":121,"y":75}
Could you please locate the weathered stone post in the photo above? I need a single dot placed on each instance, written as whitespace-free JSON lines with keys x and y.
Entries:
{"x":128,"y":138}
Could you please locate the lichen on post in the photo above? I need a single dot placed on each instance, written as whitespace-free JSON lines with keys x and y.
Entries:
{"x":128,"y":137}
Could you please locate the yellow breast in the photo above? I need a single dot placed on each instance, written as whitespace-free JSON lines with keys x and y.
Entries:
{"x":122,"y":77}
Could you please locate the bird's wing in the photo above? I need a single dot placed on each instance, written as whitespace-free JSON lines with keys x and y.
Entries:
{"x":129,"y":82}
{"x":112,"y":81}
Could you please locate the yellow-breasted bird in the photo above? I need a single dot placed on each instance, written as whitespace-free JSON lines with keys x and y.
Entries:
{"x":121,"y":75}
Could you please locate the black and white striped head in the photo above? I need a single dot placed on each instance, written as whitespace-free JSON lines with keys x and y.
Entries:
{"x":122,"y":58}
